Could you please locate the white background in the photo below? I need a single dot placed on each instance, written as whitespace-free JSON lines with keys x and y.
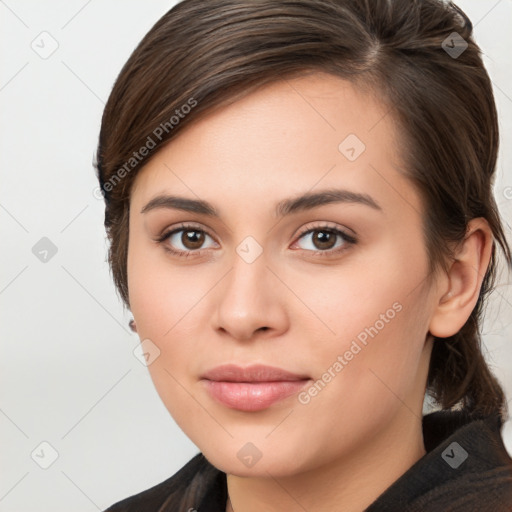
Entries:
{"x":68,"y":376}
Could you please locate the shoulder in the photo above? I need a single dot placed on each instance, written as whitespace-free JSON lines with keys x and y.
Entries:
{"x":192,"y":483}
{"x":466,"y":469}
{"x":477,"y":469}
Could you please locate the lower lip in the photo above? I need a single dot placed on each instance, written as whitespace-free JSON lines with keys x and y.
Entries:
{"x":252,"y":396}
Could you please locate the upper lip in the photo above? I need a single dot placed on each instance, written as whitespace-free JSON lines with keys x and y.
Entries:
{"x":254,"y":373}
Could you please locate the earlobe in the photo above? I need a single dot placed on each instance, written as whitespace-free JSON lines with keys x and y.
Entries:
{"x":132,"y":325}
{"x":465,"y":277}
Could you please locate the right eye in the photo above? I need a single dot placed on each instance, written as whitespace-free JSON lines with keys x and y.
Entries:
{"x":185,"y":240}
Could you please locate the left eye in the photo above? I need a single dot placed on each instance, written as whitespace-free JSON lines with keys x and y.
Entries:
{"x":324,"y":239}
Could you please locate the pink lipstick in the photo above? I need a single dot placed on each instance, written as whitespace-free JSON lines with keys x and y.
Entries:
{"x":253,"y":388}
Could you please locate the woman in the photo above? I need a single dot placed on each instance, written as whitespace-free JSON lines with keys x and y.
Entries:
{"x":299,"y":204}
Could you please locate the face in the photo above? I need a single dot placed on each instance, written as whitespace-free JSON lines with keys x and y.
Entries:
{"x":228,"y":264}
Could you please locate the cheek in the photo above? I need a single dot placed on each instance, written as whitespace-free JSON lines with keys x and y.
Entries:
{"x":365,"y":290}
{"x":374,"y":321}
{"x":164,"y":301}
{"x":367,"y":375}
{"x":162,"y":295}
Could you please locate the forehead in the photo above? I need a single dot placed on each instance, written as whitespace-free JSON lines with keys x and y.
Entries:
{"x":285,"y":138}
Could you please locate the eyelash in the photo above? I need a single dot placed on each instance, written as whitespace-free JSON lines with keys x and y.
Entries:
{"x":349,"y":240}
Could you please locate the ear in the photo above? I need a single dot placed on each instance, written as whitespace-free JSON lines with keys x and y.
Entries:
{"x":132,"y":325}
{"x":461,"y":289}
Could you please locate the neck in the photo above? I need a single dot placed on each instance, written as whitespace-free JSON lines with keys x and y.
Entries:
{"x":356,"y":480}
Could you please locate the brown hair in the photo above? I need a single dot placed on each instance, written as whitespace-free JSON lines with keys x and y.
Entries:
{"x":412,"y":54}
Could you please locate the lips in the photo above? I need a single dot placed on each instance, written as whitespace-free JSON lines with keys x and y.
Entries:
{"x":253,"y":388}
{"x":255,"y":373}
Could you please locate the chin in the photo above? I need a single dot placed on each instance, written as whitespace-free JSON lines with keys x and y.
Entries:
{"x":247,"y":460}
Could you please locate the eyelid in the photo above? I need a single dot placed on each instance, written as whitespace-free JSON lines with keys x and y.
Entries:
{"x":319,"y":225}
{"x":184,"y":226}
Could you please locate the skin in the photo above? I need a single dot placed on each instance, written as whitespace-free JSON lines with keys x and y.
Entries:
{"x":293,"y":307}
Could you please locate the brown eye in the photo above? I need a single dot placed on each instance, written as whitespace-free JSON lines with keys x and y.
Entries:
{"x":323,"y":239}
{"x":186,"y":240}
{"x":192,"y":238}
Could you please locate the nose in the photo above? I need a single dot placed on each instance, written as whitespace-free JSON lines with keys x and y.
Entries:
{"x":250,"y":301}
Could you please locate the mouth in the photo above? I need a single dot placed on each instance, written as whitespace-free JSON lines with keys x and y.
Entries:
{"x":253,"y":388}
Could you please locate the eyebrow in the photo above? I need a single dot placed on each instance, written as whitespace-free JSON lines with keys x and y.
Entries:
{"x":301,"y":203}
